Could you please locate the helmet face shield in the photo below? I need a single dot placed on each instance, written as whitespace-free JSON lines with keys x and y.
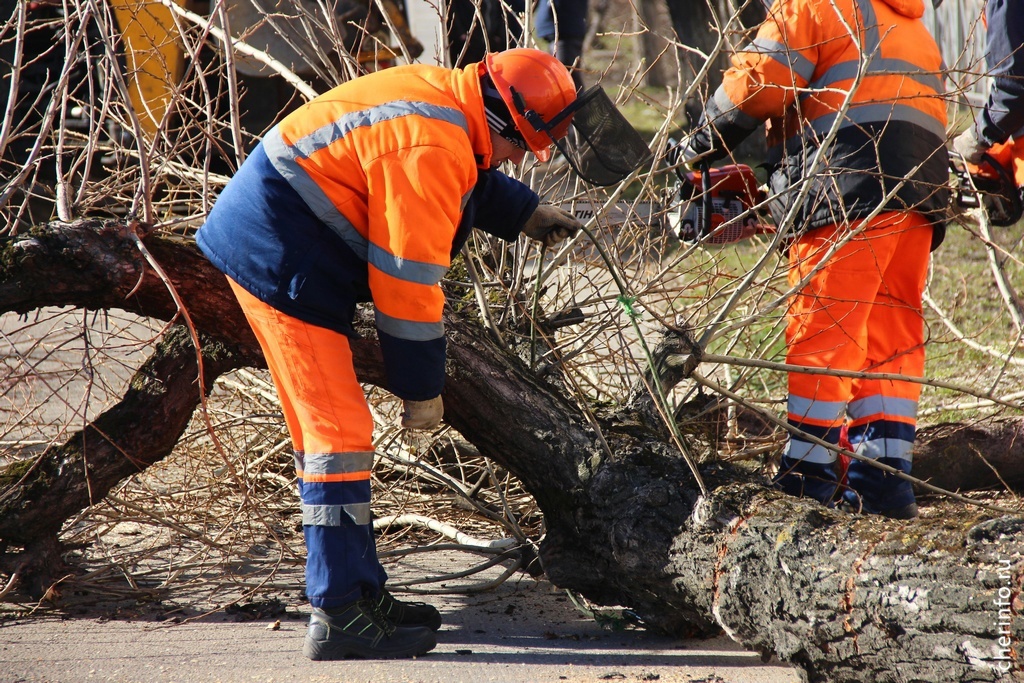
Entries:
{"x":601,"y":146}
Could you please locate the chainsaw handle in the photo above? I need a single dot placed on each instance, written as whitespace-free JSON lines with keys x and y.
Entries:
{"x":706,"y":199}
{"x":674,"y":158}
{"x":989,"y":185}
{"x":1000,"y":170}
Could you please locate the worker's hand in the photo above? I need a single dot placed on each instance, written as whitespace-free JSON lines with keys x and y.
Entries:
{"x":551,"y":225}
{"x":687,"y":152}
{"x":968,"y":146}
{"x":422,"y":414}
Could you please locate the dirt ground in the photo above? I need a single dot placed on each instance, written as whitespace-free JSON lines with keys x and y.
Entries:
{"x":523,"y":631}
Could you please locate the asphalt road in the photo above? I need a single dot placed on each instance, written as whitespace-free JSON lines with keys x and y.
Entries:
{"x":521,"y":632}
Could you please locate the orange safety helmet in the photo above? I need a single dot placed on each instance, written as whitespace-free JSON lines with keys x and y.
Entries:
{"x":533,"y":84}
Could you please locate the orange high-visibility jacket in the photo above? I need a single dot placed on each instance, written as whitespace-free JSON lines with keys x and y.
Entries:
{"x":364,"y":193}
{"x":864,"y":71}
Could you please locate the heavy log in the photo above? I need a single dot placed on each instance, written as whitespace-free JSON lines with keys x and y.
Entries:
{"x":845,"y":597}
{"x":972,"y":456}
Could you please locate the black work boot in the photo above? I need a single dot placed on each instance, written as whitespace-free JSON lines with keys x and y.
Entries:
{"x":882,"y":493}
{"x":402,"y":613}
{"x":359,"y":629}
{"x":908,"y":511}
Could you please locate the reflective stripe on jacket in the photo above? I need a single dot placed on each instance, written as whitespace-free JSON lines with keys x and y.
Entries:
{"x":364,"y":193}
{"x":804,"y":72}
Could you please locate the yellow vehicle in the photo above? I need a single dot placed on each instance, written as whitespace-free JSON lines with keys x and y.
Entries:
{"x":155,"y":57}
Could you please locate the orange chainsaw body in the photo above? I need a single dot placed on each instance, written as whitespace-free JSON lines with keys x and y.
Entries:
{"x":995,"y":183}
{"x":1009,"y":155}
{"x":720,"y":208}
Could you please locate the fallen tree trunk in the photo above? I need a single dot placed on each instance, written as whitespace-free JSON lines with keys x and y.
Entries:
{"x":971,"y":457}
{"x":39,"y":494}
{"x":847,"y":598}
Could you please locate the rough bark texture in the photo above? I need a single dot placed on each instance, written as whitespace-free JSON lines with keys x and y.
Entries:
{"x":96,"y":265}
{"x":847,"y":598}
{"x":971,"y":457}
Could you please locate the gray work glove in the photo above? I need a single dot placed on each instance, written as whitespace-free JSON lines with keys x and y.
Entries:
{"x":551,"y":225}
{"x":968,"y":146}
{"x":422,"y":414}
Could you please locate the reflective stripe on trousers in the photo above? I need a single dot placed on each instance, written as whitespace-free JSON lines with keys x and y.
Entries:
{"x":862,"y":312}
{"x":331,"y":430}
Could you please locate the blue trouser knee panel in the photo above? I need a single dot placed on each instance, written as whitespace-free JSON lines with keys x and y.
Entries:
{"x":802,"y":478}
{"x":888,"y":442}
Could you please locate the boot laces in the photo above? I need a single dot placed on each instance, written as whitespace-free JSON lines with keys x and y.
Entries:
{"x":377,"y":614}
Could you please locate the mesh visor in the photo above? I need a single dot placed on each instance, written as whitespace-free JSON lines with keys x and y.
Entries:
{"x":601,"y":145}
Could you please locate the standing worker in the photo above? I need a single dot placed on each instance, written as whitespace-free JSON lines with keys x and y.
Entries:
{"x":1003,"y":115}
{"x":563,"y":23}
{"x":869,"y":205}
{"x":366,"y":193}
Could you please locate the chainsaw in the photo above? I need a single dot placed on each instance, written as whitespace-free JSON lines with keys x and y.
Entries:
{"x":718,"y":205}
{"x":714,"y":206}
{"x":993,"y":184}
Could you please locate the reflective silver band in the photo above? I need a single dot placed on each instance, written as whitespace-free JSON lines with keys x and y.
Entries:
{"x":331,"y":515}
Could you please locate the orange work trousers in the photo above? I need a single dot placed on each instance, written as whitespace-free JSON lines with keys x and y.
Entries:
{"x":861,"y":310}
{"x":332,"y":437}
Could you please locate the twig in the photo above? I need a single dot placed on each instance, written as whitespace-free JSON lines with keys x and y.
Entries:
{"x":11,"y":583}
{"x":446,"y":530}
{"x":889,"y":376}
{"x":999,"y":274}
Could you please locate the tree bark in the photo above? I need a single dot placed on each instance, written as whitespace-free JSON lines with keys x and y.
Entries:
{"x":973,"y":456}
{"x":845,"y":597}
{"x":658,"y":52}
